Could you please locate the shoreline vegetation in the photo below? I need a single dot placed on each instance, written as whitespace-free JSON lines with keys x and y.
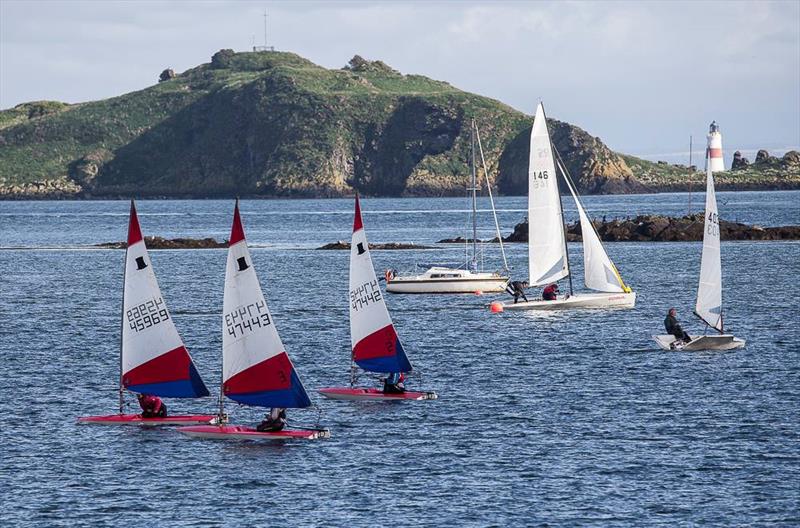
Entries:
{"x":276,"y":125}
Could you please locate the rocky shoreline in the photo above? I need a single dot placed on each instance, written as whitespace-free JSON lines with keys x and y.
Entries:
{"x":156,"y":242}
{"x":659,"y":228}
{"x":341,"y":244}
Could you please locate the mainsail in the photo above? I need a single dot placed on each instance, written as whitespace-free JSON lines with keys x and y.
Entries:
{"x":600,"y":274}
{"x":256,"y":368}
{"x":375,"y":344}
{"x":547,"y":249}
{"x":709,"y":291}
{"x":154,"y":358}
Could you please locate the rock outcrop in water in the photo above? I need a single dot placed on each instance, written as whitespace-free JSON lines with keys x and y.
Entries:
{"x":156,"y":242}
{"x":341,"y":244}
{"x":657,"y":228}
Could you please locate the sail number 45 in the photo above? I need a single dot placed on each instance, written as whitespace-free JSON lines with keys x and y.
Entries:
{"x":713,"y":224}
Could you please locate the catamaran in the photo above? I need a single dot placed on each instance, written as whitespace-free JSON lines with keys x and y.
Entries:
{"x":548,"y":258}
{"x":153,"y":358}
{"x":708,"y":306}
{"x":467,"y":279}
{"x":375,"y":345}
{"x":256,"y":369}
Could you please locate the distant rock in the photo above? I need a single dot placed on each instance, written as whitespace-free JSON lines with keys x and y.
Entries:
{"x":762,"y":156}
{"x":167,"y":75}
{"x":739,"y":161}
{"x":791,"y":158}
{"x":658,"y":228}
{"x":341,"y":244}
{"x":156,"y":242}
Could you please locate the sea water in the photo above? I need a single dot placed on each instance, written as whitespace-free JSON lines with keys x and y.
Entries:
{"x":560,"y":419}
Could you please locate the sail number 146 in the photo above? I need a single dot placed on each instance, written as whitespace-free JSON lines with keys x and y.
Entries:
{"x":539,"y":179}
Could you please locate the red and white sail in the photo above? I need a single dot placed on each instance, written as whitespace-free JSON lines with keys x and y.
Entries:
{"x":154,"y":358}
{"x":256,"y":368}
{"x":375,"y":344}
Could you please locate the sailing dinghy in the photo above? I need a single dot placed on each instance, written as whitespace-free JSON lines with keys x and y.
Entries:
{"x":709,"y":291}
{"x":548,"y":258}
{"x":467,"y":279}
{"x":256,"y":370}
{"x":375,"y":345}
{"x":153,"y":358}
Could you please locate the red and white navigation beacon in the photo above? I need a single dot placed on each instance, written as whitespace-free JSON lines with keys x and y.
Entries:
{"x":256,"y":370}
{"x":375,"y":345}
{"x":153,"y":358}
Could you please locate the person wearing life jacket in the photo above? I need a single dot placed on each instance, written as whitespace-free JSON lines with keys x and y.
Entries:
{"x":152,"y":406}
{"x":394,"y":383}
{"x":550,"y":292}
{"x":389,"y":275}
{"x":517,"y":289}
{"x":274,"y":421}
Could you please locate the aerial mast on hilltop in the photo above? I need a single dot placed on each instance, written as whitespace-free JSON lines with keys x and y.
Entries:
{"x":265,"y":47}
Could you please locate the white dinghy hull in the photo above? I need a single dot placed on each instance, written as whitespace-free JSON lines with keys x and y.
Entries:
{"x":578,"y":301}
{"x":705,"y":342}
{"x":423,"y":284}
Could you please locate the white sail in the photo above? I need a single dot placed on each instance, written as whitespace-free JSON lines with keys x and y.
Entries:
{"x":547,"y":250}
{"x":709,"y":291}
{"x":600,"y":274}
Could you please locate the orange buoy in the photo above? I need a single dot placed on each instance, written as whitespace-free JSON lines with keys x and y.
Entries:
{"x":496,"y":307}
{"x":478,"y":292}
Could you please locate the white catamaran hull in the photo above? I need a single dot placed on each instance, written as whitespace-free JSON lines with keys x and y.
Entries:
{"x":582,"y":300}
{"x":704,"y":342}
{"x":421,"y":285}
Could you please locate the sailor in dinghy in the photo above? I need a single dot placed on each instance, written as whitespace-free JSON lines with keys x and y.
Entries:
{"x":153,"y":359}
{"x":709,"y":289}
{"x":375,"y":345}
{"x":256,"y":369}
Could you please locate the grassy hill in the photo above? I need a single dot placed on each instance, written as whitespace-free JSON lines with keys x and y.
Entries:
{"x":275,"y":124}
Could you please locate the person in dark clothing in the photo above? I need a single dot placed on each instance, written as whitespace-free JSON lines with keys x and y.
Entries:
{"x":394,"y":383}
{"x":152,"y":406}
{"x":517,"y":289}
{"x":550,"y":293}
{"x":273,"y":422}
{"x":674,"y":328}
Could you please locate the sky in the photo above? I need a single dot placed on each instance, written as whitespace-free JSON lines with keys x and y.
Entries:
{"x":642,"y":76}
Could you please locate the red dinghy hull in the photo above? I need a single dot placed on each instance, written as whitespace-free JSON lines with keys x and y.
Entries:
{"x":136,"y":419}
{"x":240,"y":432}
{"x":355,"y":394}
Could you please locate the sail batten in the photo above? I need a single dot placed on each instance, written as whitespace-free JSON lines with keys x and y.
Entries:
{"x":709,"y":289}
{"x":547,"y":249}
{"x":154,"y":359}
{"x":256,"y":368}
{"x":375,"y":344}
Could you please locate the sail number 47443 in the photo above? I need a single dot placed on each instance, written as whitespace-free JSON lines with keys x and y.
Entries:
{"x":247,"y":318}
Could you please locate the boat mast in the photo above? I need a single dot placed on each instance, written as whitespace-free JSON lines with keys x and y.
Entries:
{"x":122,"y":322}
{"x":491,"y":199}
{"x":474,"y":202}
{"x":691,"y":173}
{"x":560,"y":207}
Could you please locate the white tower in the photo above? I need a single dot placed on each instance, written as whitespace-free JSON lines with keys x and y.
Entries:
{"x":714,"y":149}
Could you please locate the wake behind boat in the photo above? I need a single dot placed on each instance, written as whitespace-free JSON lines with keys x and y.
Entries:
{"x":443,"y":279}
{"x":153,"y":358}
{"x":257,"y":370}
{"x":375,"y":345}
{"x":548,"y":258}
{"x":708,"y":306}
